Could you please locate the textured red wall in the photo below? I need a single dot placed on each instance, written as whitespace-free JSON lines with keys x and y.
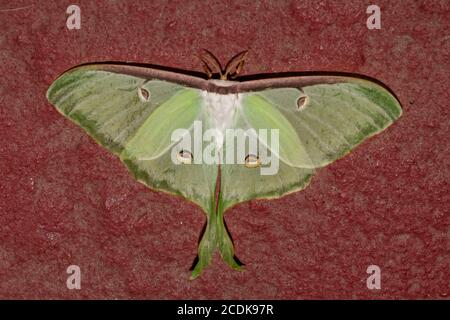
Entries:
{"x":65,"y":200}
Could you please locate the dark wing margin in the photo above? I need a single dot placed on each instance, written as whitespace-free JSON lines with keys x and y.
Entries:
{"x":303,"y":79}
{"x":149,"y":72}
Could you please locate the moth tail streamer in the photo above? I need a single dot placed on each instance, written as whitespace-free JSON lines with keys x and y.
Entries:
{"x":216,"y":236}
{"x":224,"y":242}
{"x":207,"y":245}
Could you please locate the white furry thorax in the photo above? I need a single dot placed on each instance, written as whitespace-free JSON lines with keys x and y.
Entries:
{"x":221,"y":108}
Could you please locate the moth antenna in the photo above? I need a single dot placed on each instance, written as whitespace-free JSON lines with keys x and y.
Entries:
{"x":205,"y":67}
{"x":239,"y":68}
{"x":207,"y":70}
{"x":235,"y":65}
{"x":210,"y":60}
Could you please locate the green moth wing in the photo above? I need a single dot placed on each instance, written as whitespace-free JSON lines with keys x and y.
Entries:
{"x":323,"y":122}
{"x":319,"y":120}
{"x":133,"y":111}
{"x":133,"y":116}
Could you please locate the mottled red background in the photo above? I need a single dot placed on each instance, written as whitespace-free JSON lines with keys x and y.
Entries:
{"x":65,"y":200}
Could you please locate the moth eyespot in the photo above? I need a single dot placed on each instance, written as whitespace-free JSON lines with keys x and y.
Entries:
{"x":185,"y":157}
{"x":301,"y":102}
{"x":252,"y":161}
{"x":143,"y":94}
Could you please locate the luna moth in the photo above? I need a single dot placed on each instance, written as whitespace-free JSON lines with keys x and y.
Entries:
{"x":133,"y":110}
